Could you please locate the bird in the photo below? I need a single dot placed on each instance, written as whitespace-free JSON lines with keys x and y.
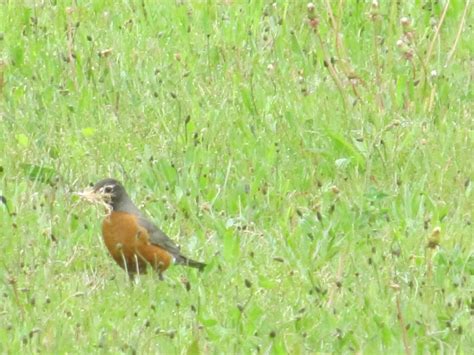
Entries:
{"x":134,"y":242}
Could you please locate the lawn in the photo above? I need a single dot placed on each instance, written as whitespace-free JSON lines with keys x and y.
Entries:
{"x":317,"y":157}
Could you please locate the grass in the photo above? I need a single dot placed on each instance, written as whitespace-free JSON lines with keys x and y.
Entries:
{"x":320,"y":160}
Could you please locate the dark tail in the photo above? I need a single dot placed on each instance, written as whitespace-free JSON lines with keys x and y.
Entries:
{"x":182,"y":260}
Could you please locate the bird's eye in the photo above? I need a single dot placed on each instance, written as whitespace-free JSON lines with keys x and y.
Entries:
{"x":108,"y":189}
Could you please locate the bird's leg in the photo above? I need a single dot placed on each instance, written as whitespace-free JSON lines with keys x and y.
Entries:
{"x":132,"y":277}
{"x":119,"y":247}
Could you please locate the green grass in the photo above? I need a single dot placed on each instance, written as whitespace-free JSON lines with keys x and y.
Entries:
{"x":309,"y":173}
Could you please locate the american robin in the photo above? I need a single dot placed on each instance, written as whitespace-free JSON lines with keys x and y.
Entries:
{"x":134,"y":242}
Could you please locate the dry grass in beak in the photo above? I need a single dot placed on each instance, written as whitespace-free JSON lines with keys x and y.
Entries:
{"x":96,"y":198}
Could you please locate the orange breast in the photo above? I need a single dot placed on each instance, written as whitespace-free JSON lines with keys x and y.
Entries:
{"x":129,"y":244}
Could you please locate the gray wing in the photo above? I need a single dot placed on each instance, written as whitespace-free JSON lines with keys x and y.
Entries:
{"x":158,"y":237}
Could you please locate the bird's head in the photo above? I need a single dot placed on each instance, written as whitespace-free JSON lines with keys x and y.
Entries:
{"x":108,"y":192}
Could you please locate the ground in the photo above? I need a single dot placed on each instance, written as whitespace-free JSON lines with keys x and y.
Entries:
{"x":317,"y":157}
